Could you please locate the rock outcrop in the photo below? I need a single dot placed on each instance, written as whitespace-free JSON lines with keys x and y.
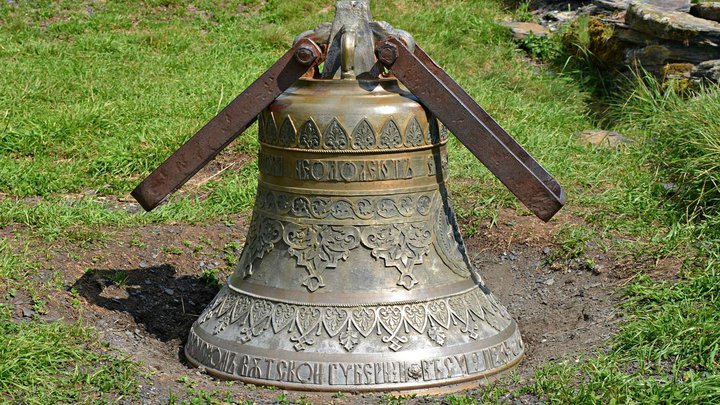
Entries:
{"x":671,"y":25}
{"x":670,"y":38}
{"x":659,"y":36}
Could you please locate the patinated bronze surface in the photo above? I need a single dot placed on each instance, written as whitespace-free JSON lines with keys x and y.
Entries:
{"x":354,"y":276}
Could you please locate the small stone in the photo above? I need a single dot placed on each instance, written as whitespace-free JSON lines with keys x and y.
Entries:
{"x":669,"y":5}
{"x":603,"y":138}
{"x":169,"y":291}
{"x":546,"y":250}
{"x":147,"y":282}
{"x":143,"y":265}
{"x":677,"y":70}
{"x":137,"y":332}
{"x":549,"y":282}
{"x":28,"y":313}
{"x":521,"y":30}
{"x":612,"y":5}
{"x":563,"y":16}
{"x":707,"y":70}
{"x":129,"y":334}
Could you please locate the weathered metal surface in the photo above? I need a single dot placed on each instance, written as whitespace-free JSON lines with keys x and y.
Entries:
{"x":491,"y":144}
{"x":226,"y":126}
{"x":352,"y":22}
{"x":354,"y":276}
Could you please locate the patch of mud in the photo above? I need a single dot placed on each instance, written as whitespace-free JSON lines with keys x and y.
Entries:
{"x":143,"y":288}
{"x":563,"y":310}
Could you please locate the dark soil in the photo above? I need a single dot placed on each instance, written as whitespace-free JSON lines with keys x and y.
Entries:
{"x":143,"y":288}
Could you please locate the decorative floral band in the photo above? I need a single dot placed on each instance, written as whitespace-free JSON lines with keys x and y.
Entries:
{"x":335,"y":137}
{"x":474,"y":312}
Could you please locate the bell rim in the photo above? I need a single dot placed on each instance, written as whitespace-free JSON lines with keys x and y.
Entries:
{"x":451,"y":384}
{"x":445,"y":386}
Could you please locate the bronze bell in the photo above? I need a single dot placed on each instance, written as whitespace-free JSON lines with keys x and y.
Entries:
{"x":354,"y":276}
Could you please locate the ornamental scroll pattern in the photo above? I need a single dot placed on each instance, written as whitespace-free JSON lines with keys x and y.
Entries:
{"x":475,"y":313}
{"x":318,"y":247}
{"x":363,"y":135}
{"x":263,"y":234}
{"x":402,"y":246}
{"x":352,"y":209}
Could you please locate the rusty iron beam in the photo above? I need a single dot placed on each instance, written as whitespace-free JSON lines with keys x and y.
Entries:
{"x":474,"y":127}
{"x":489,"y":121}
{"x":227,"y":125}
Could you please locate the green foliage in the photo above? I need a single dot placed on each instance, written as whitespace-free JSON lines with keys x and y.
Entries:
{"x":523,"y":12}
{"x":119,"y":278}
{"x":209,"y":277}
{"x":667,"y":352}
{"x":543,"y":47}
{"x":572,"y":242}
{"x":232,"y":252}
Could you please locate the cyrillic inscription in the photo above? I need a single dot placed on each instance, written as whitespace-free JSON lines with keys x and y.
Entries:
{"x":270,"y":164}
{"x":361,"y":170}
{"x":354,"y":374}
{"x":354,"y":170}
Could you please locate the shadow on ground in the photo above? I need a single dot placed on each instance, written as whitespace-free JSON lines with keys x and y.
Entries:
{"x":159,"y":300}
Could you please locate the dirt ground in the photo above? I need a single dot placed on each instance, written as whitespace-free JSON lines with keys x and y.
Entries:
{"x":142,"y":289}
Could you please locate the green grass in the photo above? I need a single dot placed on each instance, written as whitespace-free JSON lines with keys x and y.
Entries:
{"x":96,"y":94}
{"x":57,"y":362}
{"x":666,"y":351}
{"x":107,"y":95}
{"x":684,"y":135}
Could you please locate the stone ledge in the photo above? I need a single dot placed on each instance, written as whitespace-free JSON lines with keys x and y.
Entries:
{"x":708,"y":11}
{"x":672,"y":25}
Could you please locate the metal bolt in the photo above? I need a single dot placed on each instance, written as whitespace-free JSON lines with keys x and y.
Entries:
{"x":387,"y":54}
{"x":305,"y":55}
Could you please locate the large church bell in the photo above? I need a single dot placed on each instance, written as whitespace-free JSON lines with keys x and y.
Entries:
{"x":354,"y":276}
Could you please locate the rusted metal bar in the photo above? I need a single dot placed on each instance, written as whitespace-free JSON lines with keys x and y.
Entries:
{"x":496,"y":149}
{"x":226,"y":126}
{"x":479,"y":112}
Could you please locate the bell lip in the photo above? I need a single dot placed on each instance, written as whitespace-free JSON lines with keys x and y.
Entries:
{"x":446,"y":386}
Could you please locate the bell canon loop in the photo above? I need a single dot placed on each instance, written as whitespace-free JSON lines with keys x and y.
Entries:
{"x":354,"y":276}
